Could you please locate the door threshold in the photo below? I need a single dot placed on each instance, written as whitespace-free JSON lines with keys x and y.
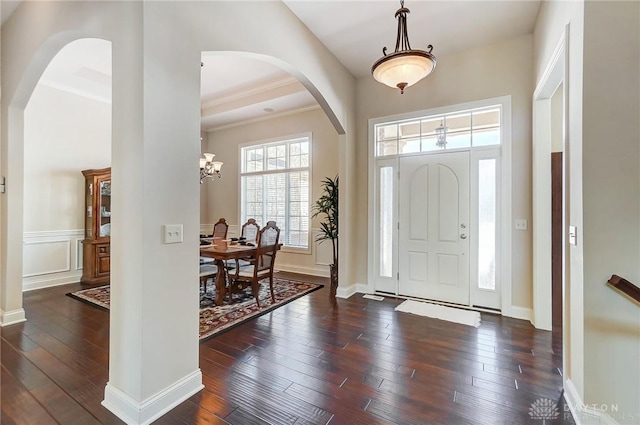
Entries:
{"x":445,"y":303}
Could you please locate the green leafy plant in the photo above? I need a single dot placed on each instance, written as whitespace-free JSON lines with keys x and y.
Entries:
{"x":327,"y":207}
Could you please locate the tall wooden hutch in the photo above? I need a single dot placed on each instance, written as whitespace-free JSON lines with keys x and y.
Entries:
{"x":96,"y":246}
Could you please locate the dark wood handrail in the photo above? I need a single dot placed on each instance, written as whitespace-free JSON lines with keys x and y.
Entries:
{"x":624,"y":286}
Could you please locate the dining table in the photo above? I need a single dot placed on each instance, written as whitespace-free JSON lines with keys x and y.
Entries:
{"x":222,"y":250}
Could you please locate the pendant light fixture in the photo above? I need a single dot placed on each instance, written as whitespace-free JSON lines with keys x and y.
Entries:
{"x":404,"y":67}
{"x":209,"y":168}
{"x":441,"y":135}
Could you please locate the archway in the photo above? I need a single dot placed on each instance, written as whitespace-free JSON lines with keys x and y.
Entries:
{"x":67,"y":129}
{"x":18,"y":85}
{"x":248,"y":101}
{"x":156,"y":47}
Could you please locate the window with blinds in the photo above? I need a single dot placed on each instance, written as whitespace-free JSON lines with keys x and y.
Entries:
{"x":275,"y":187}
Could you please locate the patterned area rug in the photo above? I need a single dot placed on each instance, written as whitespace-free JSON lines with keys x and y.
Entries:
{"x":215,"y":319}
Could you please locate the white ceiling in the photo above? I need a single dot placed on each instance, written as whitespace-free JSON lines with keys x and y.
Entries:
{"x":235,"y":90}
{"x":356,"y":31}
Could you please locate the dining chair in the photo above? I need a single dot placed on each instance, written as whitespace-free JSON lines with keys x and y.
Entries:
{"x":220,"y":229}
{"x":207,"y":271}
{"x":263,"y":262}
{"x":250,"y":230}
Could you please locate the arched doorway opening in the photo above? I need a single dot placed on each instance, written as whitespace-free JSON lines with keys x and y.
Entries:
{"x":247,"y":104}
{"x":67,"y":129}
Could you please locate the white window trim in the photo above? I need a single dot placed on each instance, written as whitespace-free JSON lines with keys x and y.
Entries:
{"x":504,"y":208}
{"x":275,"y":140}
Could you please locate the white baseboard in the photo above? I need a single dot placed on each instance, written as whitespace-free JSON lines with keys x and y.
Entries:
{"x":347,"y":291}
{"x":12,"y":317}
{"x":605,"y":419}
{"x":584,"y":415}
{"x":573,"y":399}
{"x":142,"y":413}
{"x":312,"y":271}
{"x":43,"y":282}
{"x":517,"y":312}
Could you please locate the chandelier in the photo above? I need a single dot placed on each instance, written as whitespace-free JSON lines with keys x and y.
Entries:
{"x":404,"y":67}
{"x":208,"y":167}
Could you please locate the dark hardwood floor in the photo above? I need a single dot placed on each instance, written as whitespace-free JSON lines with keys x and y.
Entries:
{"x":312,"y":361}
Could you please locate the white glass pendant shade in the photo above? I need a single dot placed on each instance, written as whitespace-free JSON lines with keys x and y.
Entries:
{"x":217,"y":166}
{"x":209,"y":168}
{"x":403,"y":69}
{"x":405,"y":66}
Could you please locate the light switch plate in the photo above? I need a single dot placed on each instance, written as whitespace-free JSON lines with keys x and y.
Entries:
{"x":573,"y":235}
{"x":521,"y":224}
{"x":172,"y":233}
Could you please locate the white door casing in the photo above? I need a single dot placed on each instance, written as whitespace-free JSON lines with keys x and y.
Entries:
{"x":384,"y":203}
{"x":434,"y":232}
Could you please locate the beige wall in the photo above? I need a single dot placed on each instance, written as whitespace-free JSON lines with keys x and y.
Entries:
{"x":557,"y":120}
{"x":603,"y":357}
{"x":553,"y":18}
{"x":225,"y":144}
{"x":499,"y":69}
{"x":611,"y":191}
{"x":204,"y":188}
{"x":64,"y":134}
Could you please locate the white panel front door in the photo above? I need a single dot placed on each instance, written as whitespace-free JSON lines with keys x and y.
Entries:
{"x":433,"y":255}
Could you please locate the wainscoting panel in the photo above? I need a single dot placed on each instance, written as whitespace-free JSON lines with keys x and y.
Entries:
{"x":46,"y":257}
{"x":51,"y":258}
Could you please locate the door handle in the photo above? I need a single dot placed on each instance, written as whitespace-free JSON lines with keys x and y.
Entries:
{"x":463,"y":236}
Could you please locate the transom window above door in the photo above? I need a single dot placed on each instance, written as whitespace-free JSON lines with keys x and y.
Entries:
{"x":456,"y":130}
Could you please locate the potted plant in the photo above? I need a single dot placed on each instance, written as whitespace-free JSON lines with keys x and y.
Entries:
{"x":327,"y":207}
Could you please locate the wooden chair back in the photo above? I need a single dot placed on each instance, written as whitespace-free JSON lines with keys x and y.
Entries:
{"x":268,"y":238}
{"x":250,"y":230}
{"x":220,"y":229}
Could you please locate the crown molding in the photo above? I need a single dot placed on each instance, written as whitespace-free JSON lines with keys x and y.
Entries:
{"x":250,"y":92}
{"x":264,"y":118}
{"x":80,"y":93}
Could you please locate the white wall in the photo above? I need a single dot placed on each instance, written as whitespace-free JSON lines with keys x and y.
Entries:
{"x":63,"y":134}
{"x":225,"y":144}
{"x":155,"y":148}
{"x":496,"y":70}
